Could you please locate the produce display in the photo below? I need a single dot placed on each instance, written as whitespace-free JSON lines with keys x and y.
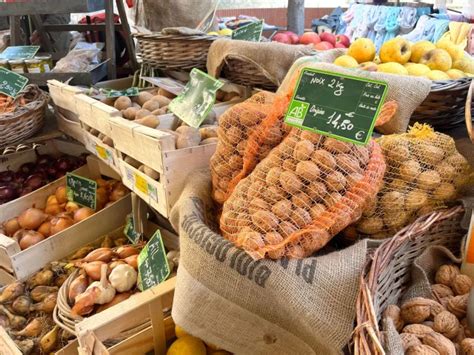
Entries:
{"x":33,"y":175}
{"x":11,"y":105}
{"x":322,"y":41}
{"x":35,"y":224}
{"x":185,"y":343}
{"x":443,"y":60}
{"x":436,"y":326}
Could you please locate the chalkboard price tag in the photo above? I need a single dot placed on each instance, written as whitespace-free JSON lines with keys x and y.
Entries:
{"x":153,"y":267}
{"x":11,"y":83}
{"x":195,"y":102}
{"x":251,"y":32}
{"x":19,"y":52}
{"x":81,"y":190}
{"x":117,"y":93}
{"x":341,"y":106}
{"x":130,"y":231}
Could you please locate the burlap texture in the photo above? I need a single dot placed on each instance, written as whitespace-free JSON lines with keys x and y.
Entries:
{"x":259,"y":307}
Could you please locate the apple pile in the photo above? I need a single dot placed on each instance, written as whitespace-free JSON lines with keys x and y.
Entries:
{"x":322,"y":42}
{"x":443,"y":60}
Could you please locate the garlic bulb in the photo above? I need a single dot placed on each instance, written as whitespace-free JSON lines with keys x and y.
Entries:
{"x":104,"y":291}
{"x":123,"y":277}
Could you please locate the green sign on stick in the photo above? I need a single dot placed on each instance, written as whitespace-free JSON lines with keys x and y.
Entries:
{"x":153,"y":267}
{"x":81,"y":190}
{"x":130,"y":232}
{"x":117,"y":93}
{"x":341,"y":106}
{"x":19,"y":52}
{"x":11,"y":83}
{"x":195,"y":102}
{"x":251,"y":32}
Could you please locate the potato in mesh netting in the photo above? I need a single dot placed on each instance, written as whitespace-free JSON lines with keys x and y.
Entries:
{"x":424,"y":172}
{"x":303,"y":193}
{"x":247,"y":133}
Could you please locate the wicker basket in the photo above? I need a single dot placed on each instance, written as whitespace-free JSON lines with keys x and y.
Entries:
{"x":388,"y":273}
{"x":174,"y":52}
{"x":247,"y":74}
{"x":24,"y":122}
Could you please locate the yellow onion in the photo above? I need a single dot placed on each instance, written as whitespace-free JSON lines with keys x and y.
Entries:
{"x":53,"y":209}
{"x":72,"y":207}
{"x":45,"y":229}
{"x":59,"y":224}
{"x":31,"y":218}
{"x":132,"y":261}
{"x":30,"y":238}
{"x":118,"y":192}
{"x":126,"y":250}
{"x":11,"y":226}
{"x":92,"y":269}
{"x":61,"y":194}
{"x":100,"y":254}
{"x":83,"y":213}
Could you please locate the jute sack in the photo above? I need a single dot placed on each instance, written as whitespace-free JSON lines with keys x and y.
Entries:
{"x":223,"y":296}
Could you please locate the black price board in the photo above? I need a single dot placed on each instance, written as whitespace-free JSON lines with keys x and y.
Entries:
{"x":251,"y":32}
{"x":153,"y":267}
{"x":81,"y":190}
{"x":11,"y":83}
{"x":341,"y":106}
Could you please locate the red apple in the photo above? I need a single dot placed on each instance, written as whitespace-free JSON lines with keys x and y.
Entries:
{"x":340,"y":45}
{"x":343,"y":39}
{"x":322,"y":46}
{"x":282,"y":38}
{"x":309,"y":38}
{"x":328,"y":37}
{"x":293,"y":36}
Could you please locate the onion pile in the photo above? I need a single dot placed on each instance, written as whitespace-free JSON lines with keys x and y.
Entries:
{"x":33,"y":175}
{"x":35,"y":224}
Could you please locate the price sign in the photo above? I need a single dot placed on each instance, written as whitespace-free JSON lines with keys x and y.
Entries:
{"x":340,"y":106}
{"x":153,"y":266}
{"x":130,"y":231}
{"x":19,"y":52}
{"x":141,"y":184}
{"x":11,"y":83}
{"x":195,"y":102}
{"x":81,"y":190}
{"x":117,"y":93}
{"x":251,"y":32}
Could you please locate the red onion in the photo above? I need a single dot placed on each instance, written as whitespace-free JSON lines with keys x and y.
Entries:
{"x":35,"y":181}
{"x":7,"y":193}
{"x":27,"y":168}
{"x":7,"y":176}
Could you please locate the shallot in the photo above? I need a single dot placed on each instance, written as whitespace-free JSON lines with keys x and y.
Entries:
{"x":31,"y":218}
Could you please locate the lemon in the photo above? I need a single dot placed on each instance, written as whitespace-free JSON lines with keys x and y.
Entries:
{"x":213,"y":33}
{"x":187,"y":345}
{"x":180,"y":332}
{"x":225,"y":32}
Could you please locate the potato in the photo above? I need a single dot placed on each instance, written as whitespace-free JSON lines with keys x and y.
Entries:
{"x":273,"y":175}
{"x":130,"y":113}
{"x":392,"y":201}
{"x":444,"y":191}
{"x":446,"y":171}
{"x":101,"y":136}
{"x":265,"y":220}
{"x":94,"y":132}
{"x":348,"y":164}
{"x":108,"y":101}
{"x":395,"y":219}
{"x":409,"y":170}
{"x":273,"y":136}
{"x":134,"y":104}
{"x":246,"y":117}
{"x":151,"y":105}
{"x":337,"y":146}
{"x":290,"y":182}
{"x":316,"y":210}
{"x":142,"y":113}
{"x":324,"y":159}
{"x":302,"y":200}
{"x":300,"y":217}
{"x":415,"y":199}
{"x":149,"y":121}
{"x":149,"y":172}
{"x":370,"y":225}
{"x":162,"y":100}
{"x":286,"y":228}
{"x":208,"y":132}
{"x":428,"y":180}
{"x":282,"y":209}
{"x":159,"y":112}
{"x":273,"y":238}
{"x":308,"y":170}
{"x":211,"y":140}
{"x":129,"y":160}
{"x":258,"y":204}
{"x":428,"y":154}
{"x":143,"y":97}
{"x":108,"y":141}
{"x":234,"y":135}
{"x":332,"y":199}
{"x":458,"y":161}
{"x":122,"y":103}
{"x":163,"y":92}
{"x":231,"y":96}
{"x":311,"y":136}
{"x":303,"y":150}
{"x":220,"y":95}
{"x":335,"y":181}
{"x":188,"y":137}
{"x":273,"y":193}
{"x":316,"y":190}
{"x":289,"y":164}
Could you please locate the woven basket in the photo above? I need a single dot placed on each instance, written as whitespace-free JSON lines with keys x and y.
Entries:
{"x":24,"y":122}
{"x":174,"y":52}
{"x":246,"y":73}
{"x":444,"y":108}
{"x":388,"y":273}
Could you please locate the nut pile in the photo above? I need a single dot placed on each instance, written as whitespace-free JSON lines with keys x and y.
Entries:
{"x":436,"y":327}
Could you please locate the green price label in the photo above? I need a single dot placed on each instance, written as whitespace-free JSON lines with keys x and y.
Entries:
{"x":195,"y":102}
{"x":11,"y":83}
{"x":81,"y":190}
{"x":341,"y":106}
{"x":251,"y":32}
{"x":117,"y":93}
{"x":153,"y":267}
{"x":130,"y":231}
{"x":19,"y":52}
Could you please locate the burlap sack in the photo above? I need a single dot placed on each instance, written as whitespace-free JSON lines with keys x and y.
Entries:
{"x":302,"y":306}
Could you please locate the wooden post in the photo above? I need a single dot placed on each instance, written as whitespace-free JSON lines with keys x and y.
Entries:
{"x":110,"y":39}
{"x":295,"y":16}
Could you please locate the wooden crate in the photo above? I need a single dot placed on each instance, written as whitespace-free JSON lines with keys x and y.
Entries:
{"x":68,"y":123}
{"x":17,"y":264}
{"x":102,"y":151}
{"x":63,"y":95}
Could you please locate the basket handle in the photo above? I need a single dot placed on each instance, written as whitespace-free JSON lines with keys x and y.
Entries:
{"x":468,"y":115}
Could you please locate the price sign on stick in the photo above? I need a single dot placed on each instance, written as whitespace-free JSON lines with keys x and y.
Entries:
{"x":129,"y":230}
{"x":251,"y":32}
{"x":336,"y":105}
{"x":195,"y":102}
{"x":153,"y":267}
{"x":19,"y":52}
{"x":81,"y":190}
{"x":117,"y":93}
{"x":11,"y":83}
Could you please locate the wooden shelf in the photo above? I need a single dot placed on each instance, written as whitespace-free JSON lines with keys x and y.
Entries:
{"x":43,"y":7}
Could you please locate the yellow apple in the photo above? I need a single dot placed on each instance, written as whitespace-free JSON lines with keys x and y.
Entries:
{"x":362,"y":50}
{"x":456,"y":52}
{"x":393,"y":68}
{"x":464,"y":64}
{"x":346,"y":61}
{"x":395,"y":50}
{"x":368,"y":66}
{"x":416,"y":69}
{"x":437,"y":59}
{"x":455,"y":74}
{"x":419,"y":49}
{"x":437,"y":75}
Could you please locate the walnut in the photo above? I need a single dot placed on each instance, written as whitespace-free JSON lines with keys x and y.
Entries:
{"x":447,"y":324}
{"x":440,"y":343}
{"x":441,"y":290}
{"x":467,"y":329}
{"x":460,"y":336}
{"x":417,"y":329}
{"x":419,"y":309}
{"x":458,"y":305}
{"x":467,"y":346}
{"x":409,"y":340}
{"x":421,"y":350}
{"x":461,"y":284}
{"x":393,"y":312}
{"x":446,"y":274}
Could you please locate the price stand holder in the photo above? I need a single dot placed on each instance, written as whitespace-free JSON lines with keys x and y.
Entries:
{"x":341,"y":106}
{"x":11,"y":83}
{"x":153,"y":267}
{"x":19,"y":52}
{"x":251,"y":32}
{"x":117,"y":93}
{"x":81,"y":190}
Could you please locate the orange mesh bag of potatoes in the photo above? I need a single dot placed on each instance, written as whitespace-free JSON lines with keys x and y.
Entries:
{"x":247,"y":133}
{"x":424,"y":172}
{"x":303,"y":193}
